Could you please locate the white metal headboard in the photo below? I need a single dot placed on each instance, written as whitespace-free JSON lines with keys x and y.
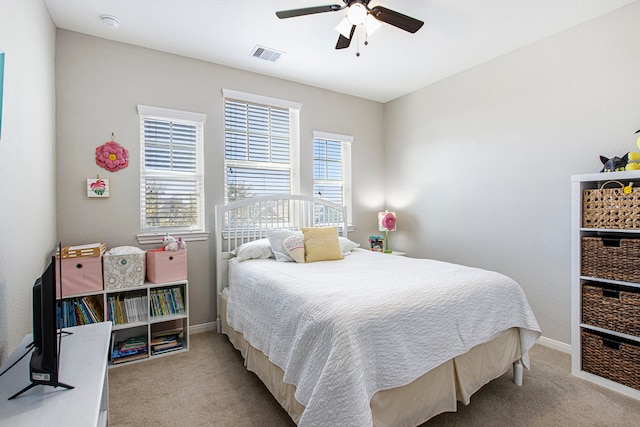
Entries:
{"x":249,"y":219}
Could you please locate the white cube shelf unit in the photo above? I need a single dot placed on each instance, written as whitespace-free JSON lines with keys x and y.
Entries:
{"x":153,"y":319}
{"x":601,"y":344}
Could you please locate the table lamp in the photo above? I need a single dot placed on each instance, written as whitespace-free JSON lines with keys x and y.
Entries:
{"x":386,"y":223}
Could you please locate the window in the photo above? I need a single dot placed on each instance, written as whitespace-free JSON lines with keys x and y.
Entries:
{"x":332,"y":168}
{"x":261,"y":146}
{"x":171,"y":170}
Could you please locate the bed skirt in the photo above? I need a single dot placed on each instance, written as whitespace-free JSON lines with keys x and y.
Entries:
{"x":433,"y":393}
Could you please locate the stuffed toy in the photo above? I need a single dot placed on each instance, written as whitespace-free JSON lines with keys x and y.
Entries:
{"x":172,"y":244}
{"x":634,"y":158}
{"x":181,"y":243}
{"x":632,"y":162}
{"x":614,"y":164}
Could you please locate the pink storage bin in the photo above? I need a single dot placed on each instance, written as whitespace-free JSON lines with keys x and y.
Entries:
{"x":81,"y":275}
{"x":166,"y":266}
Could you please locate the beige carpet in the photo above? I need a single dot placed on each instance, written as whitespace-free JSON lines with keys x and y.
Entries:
{"x":208,"y":386}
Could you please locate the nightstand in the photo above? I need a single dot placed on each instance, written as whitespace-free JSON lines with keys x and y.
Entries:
{"x":396,"y":253}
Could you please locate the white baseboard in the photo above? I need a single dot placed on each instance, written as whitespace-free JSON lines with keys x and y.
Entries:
{"x":555,"y":345}
{"x":203,"y":327}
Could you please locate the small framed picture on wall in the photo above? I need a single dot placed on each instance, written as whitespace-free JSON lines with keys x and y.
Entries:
{"x":97,"y":187}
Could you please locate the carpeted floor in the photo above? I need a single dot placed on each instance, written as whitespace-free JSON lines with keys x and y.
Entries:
{"x":209,"y":386}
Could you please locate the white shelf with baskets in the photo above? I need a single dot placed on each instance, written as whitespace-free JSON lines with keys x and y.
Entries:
{"x":605,"y":239}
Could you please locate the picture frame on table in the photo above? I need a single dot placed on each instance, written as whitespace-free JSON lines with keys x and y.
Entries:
{"x":376,"y":243}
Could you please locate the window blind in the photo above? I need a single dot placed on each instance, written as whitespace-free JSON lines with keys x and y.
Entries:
{"x":171,"y":178}
{"x":332,"y":168}
{"x":327,"y":170}
{"x":257,"y":150}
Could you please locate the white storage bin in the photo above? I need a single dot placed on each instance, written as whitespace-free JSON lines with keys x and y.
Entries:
{"x":123,"y":267}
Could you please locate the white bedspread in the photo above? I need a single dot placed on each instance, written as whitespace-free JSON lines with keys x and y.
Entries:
{"x":343,"y":330}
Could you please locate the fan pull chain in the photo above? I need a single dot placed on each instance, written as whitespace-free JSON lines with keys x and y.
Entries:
{"x":366,"y":41}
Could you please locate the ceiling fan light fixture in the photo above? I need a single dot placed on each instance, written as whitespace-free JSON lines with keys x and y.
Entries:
{"x":344,"y":28}
{"x":371,"y":24}
{"x":357,"y":13}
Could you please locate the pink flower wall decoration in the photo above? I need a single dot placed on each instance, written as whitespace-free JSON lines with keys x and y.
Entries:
{"x":112,"y":156}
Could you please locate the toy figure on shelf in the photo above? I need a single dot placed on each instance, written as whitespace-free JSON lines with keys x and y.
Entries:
{"x":634,"y":158}
{"x":628,"y":162}
{"x":614,"y":164}
{"x":172,"y":244}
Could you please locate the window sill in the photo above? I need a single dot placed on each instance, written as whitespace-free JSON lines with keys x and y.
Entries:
{"x":156,"y":238}
{"x":188,"y":236}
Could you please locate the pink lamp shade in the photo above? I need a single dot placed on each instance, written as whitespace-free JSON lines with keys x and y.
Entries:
{"x":386,"y":221}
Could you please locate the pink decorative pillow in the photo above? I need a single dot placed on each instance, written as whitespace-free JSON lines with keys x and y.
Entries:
{"x":294,"y":246}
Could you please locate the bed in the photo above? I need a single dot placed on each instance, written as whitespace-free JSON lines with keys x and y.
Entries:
{"x":366,"y":338}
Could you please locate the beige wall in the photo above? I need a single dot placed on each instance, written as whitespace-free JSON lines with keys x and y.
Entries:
{"x":99,"y":84}
{"x":479,"y":165}
{"x":27,"y":150}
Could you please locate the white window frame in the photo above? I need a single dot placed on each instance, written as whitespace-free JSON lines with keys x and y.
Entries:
{"x":346,"y":141}
{"x":294,"y":135}
{"x":149,"y":234}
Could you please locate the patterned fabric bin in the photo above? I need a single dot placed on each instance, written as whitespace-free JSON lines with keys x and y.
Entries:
{"x":124,"y":267}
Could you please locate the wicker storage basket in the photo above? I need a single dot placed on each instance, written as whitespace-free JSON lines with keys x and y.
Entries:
{"x":611,"y":358}
{"x":611,"y":207}
{"x":611,"y":258}
{"x":611,"y":307}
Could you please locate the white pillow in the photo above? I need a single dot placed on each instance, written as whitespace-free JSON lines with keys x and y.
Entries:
{"x":346,"y":245}
{"x":294,"y":245}
{"x":257,"y":249}
{"x":276,"y":238}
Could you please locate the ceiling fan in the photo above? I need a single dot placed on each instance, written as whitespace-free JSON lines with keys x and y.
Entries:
{"x":358,"y":13}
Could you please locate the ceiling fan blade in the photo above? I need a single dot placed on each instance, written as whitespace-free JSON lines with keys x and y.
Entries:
{"x":396,"y":19}
{"x":344,"y":42}
{"x":308,"y":11}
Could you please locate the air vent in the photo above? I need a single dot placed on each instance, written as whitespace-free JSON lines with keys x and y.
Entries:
{"x":266,"y":53}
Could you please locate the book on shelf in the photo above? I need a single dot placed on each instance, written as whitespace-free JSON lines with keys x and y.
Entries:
{"x":125,"y":308}
{"x":167,"y":350}
{"x":166,"y":341}
{"x":165,"y":301}
{"x":130,"y":358}
{"x":79,"y":311}
{"x":129,"y":349}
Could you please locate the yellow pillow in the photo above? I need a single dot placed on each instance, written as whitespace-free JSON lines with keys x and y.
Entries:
{"x":321,"y":244}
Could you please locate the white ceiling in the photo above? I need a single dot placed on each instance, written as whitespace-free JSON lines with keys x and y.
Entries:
{"x":457,"y":35}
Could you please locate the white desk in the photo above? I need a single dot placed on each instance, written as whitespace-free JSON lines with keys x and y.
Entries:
{"x":83,"y":364}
